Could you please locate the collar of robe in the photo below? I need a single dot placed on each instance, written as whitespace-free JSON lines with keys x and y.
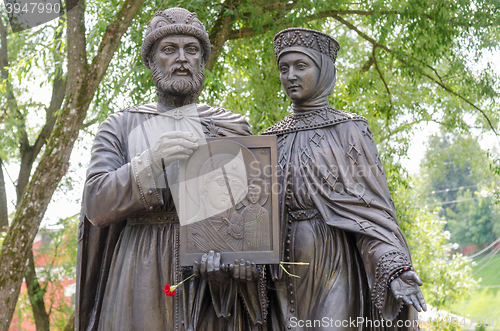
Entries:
{"x":312,"y":119}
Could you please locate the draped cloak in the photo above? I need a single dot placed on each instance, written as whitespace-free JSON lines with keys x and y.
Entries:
{"x":338,"y":215}
{"x":128,"y":241}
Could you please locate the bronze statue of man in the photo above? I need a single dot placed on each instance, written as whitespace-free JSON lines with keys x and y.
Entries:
{"x":129,"y":232}
{"x":337,"y":213}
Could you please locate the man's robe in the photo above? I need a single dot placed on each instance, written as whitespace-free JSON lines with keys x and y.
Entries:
{"x":338,"y":215}
{"x":128,"y":242}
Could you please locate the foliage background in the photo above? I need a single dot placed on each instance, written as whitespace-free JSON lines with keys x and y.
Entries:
{"x":402,"y":64}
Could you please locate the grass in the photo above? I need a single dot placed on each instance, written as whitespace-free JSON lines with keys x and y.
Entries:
{"x":485,"y":301}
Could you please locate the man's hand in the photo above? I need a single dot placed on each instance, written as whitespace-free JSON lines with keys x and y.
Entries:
{"x":210,"y":268}
{"x":406,"y":288}
{"x":172,"y":146}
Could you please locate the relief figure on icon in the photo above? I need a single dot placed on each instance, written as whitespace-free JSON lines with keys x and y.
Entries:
{"x":222,"y":184}
{"x":255,"y":218}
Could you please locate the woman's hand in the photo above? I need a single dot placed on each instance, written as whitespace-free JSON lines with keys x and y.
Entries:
{"x":244,"y":271}
{"x":210,"y":268}
{"x":407,"y":288}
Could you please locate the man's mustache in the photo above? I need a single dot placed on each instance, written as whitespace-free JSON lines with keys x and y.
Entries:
{"x":177,"y":66}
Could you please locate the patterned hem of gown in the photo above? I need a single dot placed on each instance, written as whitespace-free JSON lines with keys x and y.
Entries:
{"x":153,"y":218}
{"x":388,"y":264}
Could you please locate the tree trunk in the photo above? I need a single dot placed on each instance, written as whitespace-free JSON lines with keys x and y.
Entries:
{"x":28,"y":156}
{"x":4,"y":215}
{"x":70,"y":325}
{"x":82,"y":82}
{"x":36,"y":293}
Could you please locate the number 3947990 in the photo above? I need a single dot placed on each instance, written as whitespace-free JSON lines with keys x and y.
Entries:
{"x":32,"y":7}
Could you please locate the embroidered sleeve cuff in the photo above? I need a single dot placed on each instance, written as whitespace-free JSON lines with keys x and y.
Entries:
{"x":144,"y":178}
{"x":388,"y":264}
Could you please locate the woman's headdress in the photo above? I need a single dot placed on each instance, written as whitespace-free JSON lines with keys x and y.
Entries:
{"x":322,"y":49}
{"x":305,"y":38}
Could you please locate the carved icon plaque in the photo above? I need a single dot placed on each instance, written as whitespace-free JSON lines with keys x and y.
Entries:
{"x":227,"y":202}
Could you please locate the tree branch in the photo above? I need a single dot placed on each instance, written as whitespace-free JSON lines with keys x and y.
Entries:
{"x":368,"y":64}
{"x":90,"y":122}
{"x":28,"y":155}
{"x":374,"y":57}
{"x":250,"y":32}
{"x":219,"y":34}
{"x":400,"y":59}
{"x":111,"y":40}
{"x":11,"y":99}
{"x":278,"y":5}
{"x":58,"y":94}
{"x":400,"y":128}
{"x":449,"y":90}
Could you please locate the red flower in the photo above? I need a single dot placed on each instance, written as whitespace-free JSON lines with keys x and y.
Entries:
{"x":168,"y":292}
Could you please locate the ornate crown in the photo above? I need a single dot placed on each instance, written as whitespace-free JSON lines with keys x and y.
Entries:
{"x":174,"y":21}
{"x":302,"y":37}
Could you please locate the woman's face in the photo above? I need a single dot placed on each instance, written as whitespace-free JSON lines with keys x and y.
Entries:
{"x":299,"y":76}
{"x":218,"y":194}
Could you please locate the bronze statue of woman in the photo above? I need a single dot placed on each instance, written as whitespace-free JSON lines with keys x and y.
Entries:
{"x":337,"y":211}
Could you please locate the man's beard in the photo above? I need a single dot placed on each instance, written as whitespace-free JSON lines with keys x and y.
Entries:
{"x":184,"y":87}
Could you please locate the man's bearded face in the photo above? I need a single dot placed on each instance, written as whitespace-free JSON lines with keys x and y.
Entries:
{"x":176,"y":65}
